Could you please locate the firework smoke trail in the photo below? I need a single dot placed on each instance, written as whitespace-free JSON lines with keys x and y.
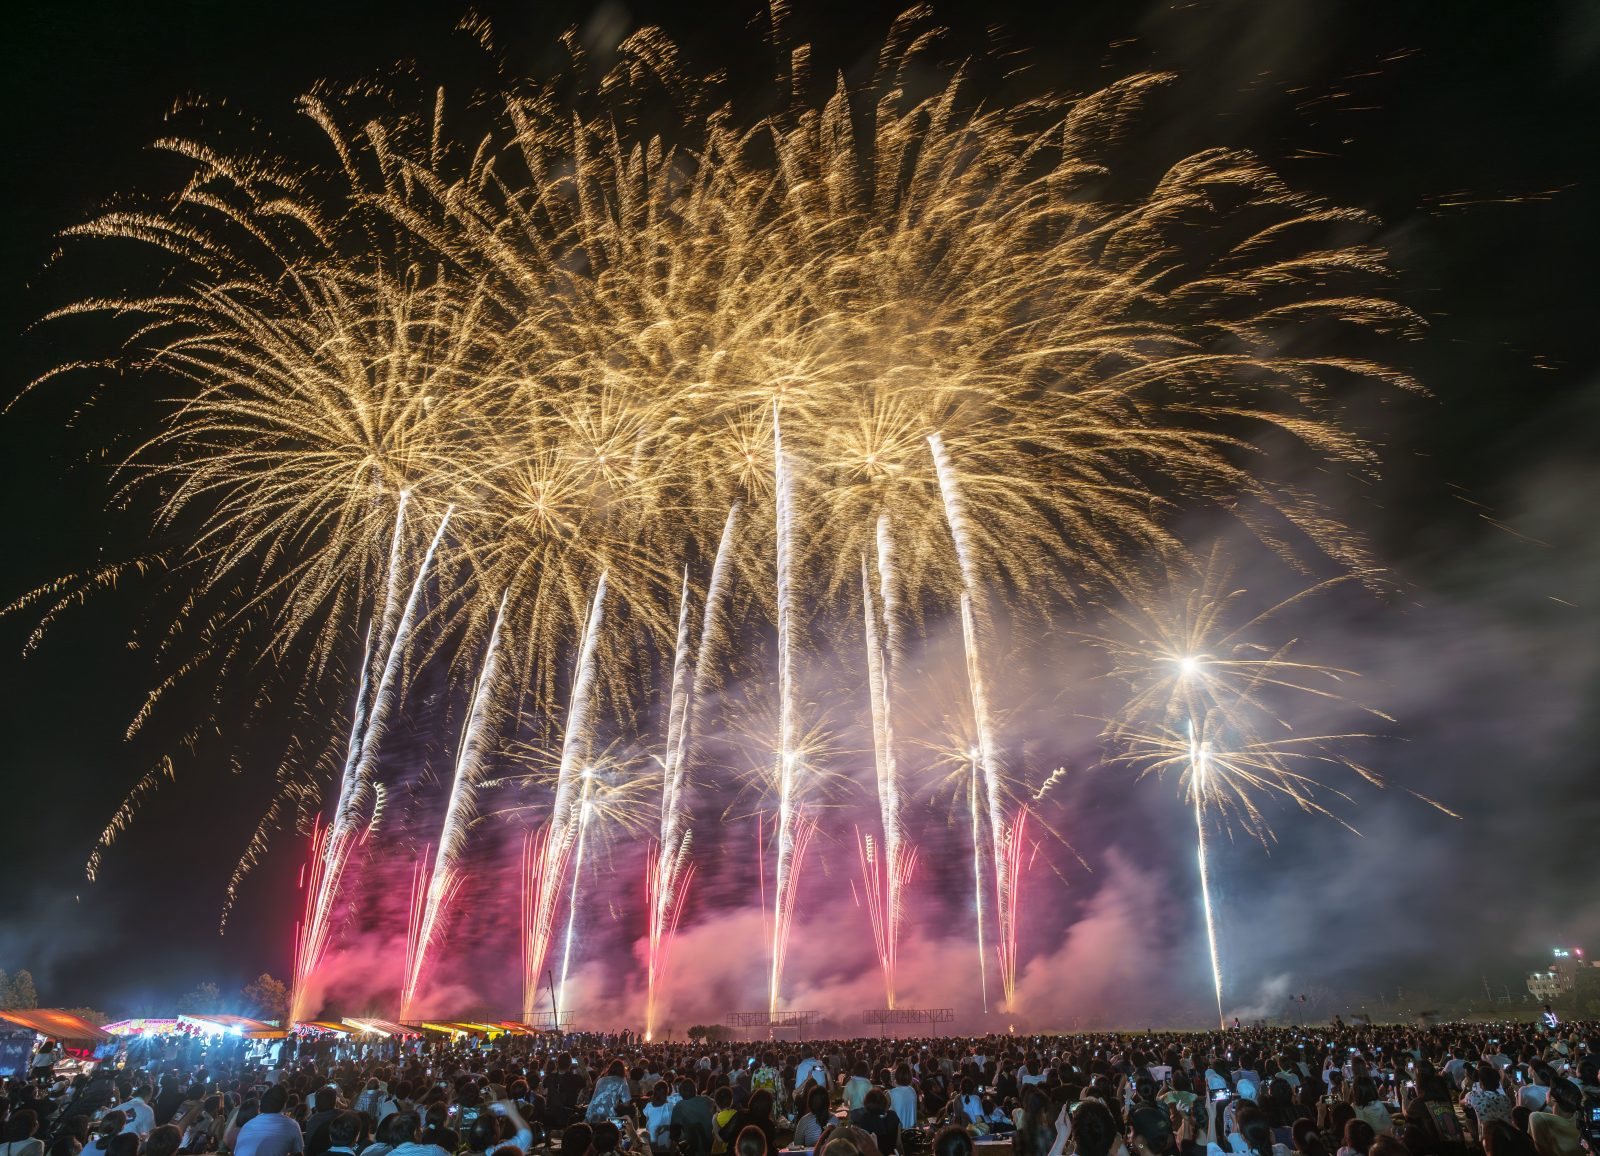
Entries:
{"x":566,"y":811}
{"x":975,"y":812}
{"x":988,"y":759}
{"x":372,"y":722}
{"x":585,"y":811}
{"x":885,"y":881}
{"x":1199,"y":757}
{"x":446,"y":877}
{"x":306,"y":951}
{"x":1016,"y":840}
{"x":670,"y":870}
{"x":789,"y":845}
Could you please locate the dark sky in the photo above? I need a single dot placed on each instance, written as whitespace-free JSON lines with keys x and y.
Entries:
{"x":1467,"y":128}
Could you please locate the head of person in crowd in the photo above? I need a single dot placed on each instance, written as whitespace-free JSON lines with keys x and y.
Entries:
{"x":1150,"y":1129}
{"x":606,"y":1138}
{"x":1094,"y":1129}
{"x":1358,"y":1137}
{"x":20,"y":1125}
{"x":751,"y":1141}
{"x":163,"y":1141}
{"x":274,"y":1099}
{"x":952,"y":1141}
{"x":1306,"y":1139}
{"x":344,"y":1130}
{"x":576,"y":1140}
{"x":404,"y":1128}
{"x":1503,"y":1139}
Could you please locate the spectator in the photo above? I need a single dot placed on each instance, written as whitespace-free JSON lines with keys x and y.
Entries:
{"x":1555,"y":1130}
{"x":903,"y":1097}
{"x":270,"y":1132}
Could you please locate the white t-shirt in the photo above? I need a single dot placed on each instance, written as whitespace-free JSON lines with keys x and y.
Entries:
{"x":903,"y":1102}
{"x":1533,"y":1097}
{"x":657,"y":1118}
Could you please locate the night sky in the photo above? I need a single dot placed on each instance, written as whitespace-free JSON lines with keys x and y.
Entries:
{"x":1468,"y":129}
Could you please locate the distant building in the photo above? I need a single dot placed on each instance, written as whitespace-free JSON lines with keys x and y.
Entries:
{"x":1556,"y":983}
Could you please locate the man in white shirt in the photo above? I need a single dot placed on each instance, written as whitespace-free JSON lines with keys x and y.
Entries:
{"x":1534,"y":1095}
{"x":810,"y":1068}
{"x":141,"y":1116}
{"x":271,"y":1133}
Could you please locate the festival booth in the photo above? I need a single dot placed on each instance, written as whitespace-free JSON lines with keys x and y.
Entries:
{"x":21,"y":1029}
{"x":142,"y":1026}
{"x":58,"y":1025}
{"x":323,"y":1029}
{"x":379,"y":1027}
{"x":457,"y":1029}
{"x":225,"y":1025}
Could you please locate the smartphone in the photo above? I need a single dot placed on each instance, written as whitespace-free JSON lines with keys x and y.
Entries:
{"x":1519,"y":1077}
{"x":1220,"y":1096}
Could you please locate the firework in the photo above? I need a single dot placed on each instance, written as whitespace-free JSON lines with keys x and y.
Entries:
{"x":446,"y":875}
{"x":988,"y":760}
{"x":1208,"y":699}
{"x":670,"y":869}
{"x":371,"y":720}
{"x":567,"y":812}
{"x":575,"y":343}
{"x":790,"y":769}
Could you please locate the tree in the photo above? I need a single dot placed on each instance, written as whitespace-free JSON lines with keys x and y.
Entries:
{"x":19,"y":993}
{"x":267,"y":997}
{"x":206,"y":997}
{"x":98,"y":1018}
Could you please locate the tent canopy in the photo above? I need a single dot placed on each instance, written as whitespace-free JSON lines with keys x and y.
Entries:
{"x":234,"y":1026}
{"x":55,"y":1022}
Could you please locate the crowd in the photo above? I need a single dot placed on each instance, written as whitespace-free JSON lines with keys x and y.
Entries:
{"x":1449,"y":1090}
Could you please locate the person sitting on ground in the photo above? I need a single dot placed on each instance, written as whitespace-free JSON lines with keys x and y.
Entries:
{"x":1555,"y":1130}
{"x":164,"y":1140}
{"x":577,"y":1140}
{"x":875,"y":1119}
{"x":1501,"y":1139}
{"x":1358,"y":1138}
{"x":693,"y":1120}
{"x":751,"y":1141}
{"x":1370,"y":1107}
{"x":607,"y":1139}
{"x":343,"y":1132}
{"x":808,"y":1128}
{"x":1485,"y":1101}
{"x":270,"y":1132}
{"x":410,"y":1139}
{"x":857,"y":1086}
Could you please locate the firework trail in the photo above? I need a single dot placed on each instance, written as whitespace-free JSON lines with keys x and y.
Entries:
{"x":1208,"y":701}
{"x":790,"y":818}
{"x":1015,"y":842}
{"x":670,"y":869}
{"x":447,"y":876}
{"x":307,"y":953}
{"x":361,"y":763}
{"x":975,"y":814}
{"x":585,"y":813}
{"x":1199,"y":756}
{"x":988,"y":758}
{"x":890,"y":870}
{"x":566,"y":812}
